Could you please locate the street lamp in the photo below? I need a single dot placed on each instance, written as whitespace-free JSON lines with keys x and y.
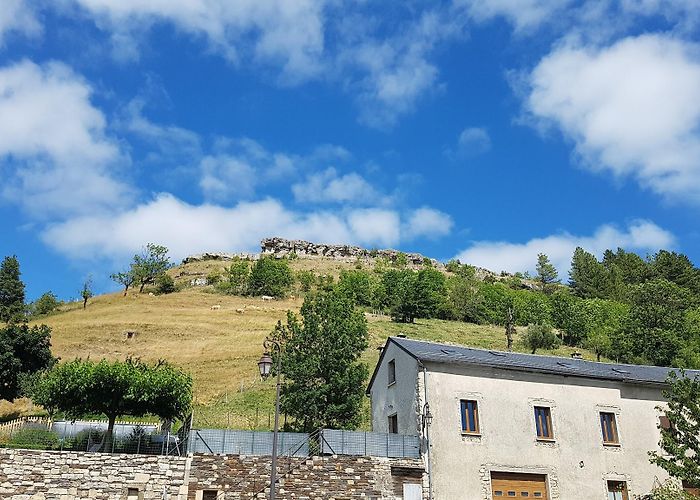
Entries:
{"x":265,"y":367}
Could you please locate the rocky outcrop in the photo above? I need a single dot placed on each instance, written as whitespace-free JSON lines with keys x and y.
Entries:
{"x":218,"y":256}
{"x":281,"y":247}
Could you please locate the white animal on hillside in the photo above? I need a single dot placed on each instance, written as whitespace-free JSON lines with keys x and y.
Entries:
{"x":240,"y":311}
{"x":216,"y":307}
{"x":267,"y":297}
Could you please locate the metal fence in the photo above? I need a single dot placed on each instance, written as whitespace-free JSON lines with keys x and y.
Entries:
{"x":325,"y":442}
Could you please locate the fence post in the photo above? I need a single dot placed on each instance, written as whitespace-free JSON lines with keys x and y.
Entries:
{"x":223,"y":443}
{"x":365,"y":443}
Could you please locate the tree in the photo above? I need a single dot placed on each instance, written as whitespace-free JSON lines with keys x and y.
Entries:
{"x":546,"y":272}
{"x":83,"y":387}
{"x":149,"y":264}
{"x":165,"y":284}
{"x":403,"y":295}
{"x":431,"y":293}
{"x":46,"y":304}
{"x":465,"y":299}
{"x":324,"y":380}
{"x":587,"y":276}
{"x":125,"y":279}
{"x":23,"y":351}
{"x":510,"y":328}
{"x":599,"y":342}
{"x":306,"y":280}
{"x":11,"y":291}
{"x":270,"y":276}
{"x":86,"y":293}
{"x":540,"y":337}
{"x":357,"y":286}
{"x":680,"y":440}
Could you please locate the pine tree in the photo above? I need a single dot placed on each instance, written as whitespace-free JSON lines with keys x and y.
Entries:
{"x":11,"y":291}
{"x":546,"y":272}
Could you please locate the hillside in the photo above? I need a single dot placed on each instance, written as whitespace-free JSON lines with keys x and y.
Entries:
{"x":221,"y":347}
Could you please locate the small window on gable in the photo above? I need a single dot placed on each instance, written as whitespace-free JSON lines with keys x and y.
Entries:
{"x":664,"y":422}
{"x":470,"y":416}
{"x":543,"y":422}
{"x":391,"y":370}
{"x":393,"y":424}
{"x":608,"y":426}
{"x":209,"y":495}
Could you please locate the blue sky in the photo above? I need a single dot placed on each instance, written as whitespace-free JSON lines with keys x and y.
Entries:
{"x":487,"y":130}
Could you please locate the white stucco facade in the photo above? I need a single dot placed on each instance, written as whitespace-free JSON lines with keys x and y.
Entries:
{"x":576,"y":462}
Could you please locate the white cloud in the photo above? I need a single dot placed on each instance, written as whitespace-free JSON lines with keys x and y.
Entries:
{"x":226,"y":177}
{"x":428,"y":222}
{"x":54,"y":148}
{"x":16,"y":16}
{"x":473,"y":141}
{"x":288,"y":34}
{"x":632,"y":109}
{"x":517,"y":257}
{"x":329,"y":187}
{"x":186,"y":228}
{"x":522,"y":14}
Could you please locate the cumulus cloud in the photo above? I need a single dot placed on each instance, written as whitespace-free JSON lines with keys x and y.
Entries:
{"x":54,"y":148}
{"x":472,"y":141}
{"x":641,"y":235}
{"x":428,"y":222}
{"x":632,"y":109}
{"x":17,"y":16}
{"x":185,"y":228}
{"x":328,"y":186}
{"x":288,"y":34}
{"x":522,"y":14}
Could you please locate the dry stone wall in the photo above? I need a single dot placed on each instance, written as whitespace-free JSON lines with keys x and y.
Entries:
{"x":35,"y":475}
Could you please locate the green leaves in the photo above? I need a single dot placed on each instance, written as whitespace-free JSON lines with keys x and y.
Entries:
{"x":11,"y":291}
{"x":270,"y":276}
{"x":113,"y":388}
{"x":23,"y":351}
{"x":324,"y":382}
{"x":680,"y":442}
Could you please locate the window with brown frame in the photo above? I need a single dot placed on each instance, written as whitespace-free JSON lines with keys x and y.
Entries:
{"x":470,"y":416}
{"x":209,"y":494}
{"x":608,"y":425}
{"x":393,"y":424}
{"x":391,"y":370}
{"x":543,"y":423}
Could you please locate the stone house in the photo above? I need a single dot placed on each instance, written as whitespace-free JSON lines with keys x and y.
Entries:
{"x":509,"y":425}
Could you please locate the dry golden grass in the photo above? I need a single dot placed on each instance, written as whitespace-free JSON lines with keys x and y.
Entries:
{"x":220,"y":348}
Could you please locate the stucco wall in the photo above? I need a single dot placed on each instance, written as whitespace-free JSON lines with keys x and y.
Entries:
{"x":577,"y":463}
{"x":400,"y":397}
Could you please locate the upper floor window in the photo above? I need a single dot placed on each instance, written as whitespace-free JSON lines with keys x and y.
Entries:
{"x":543,"y":422}
{"x":209,"y":494}
{"x":391,"y":370}
{"x":470,"y":416}
{"x":609,"y":428}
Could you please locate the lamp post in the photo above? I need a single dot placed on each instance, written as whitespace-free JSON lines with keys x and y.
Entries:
{"x":265,"y":366}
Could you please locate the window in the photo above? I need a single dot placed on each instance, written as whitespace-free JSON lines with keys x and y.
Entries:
{"x":664,"y":422}
{"x":391,"y":369}
{"x":209,"y":495}
{"x":393,"y":424}
{"x":132,"y":494}
{"x":470,"y":416}
{"x":609,"y":428}
{"x":543,"y":422}
{"x":617,"y":490}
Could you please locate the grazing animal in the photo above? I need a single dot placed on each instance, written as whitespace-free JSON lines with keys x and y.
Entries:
{"x":216,"y":307}
{"x":240,"y":311}
{"x":266,"y":298}
{"x":293,"y":297}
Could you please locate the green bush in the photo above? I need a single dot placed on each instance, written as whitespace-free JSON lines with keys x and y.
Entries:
{"x":44,"y":305}
{"x":270,"y":276}
{"x":541,"y":337}
{"x":33,"y":439}
{"x":165,"y":284}
{"x":306,"y":280}
{"x":213,"y":278}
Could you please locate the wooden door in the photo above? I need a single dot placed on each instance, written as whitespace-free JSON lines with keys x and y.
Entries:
{"x":515,"y":485}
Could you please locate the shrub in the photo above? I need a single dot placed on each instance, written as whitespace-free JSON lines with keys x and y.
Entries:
{"x":46,"y":304}
{"x":165,"y":284}
{"x":540,"y":336}
{"x":33,"y":439}
{"x":270,"y":276}
{"x":306,"y":280}
{"x":213,"y":278}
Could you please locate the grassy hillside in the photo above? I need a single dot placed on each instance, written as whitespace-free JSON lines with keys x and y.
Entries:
{"x":221,"y":347}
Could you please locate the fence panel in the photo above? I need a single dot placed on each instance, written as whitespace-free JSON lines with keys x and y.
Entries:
{"x":376,"y":444}
{"x":230,"y":442}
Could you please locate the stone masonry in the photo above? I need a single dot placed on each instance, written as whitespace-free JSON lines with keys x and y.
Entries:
{"x":34,"y":475}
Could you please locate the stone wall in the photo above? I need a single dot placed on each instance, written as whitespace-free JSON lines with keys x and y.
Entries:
{"x":27,"y":474}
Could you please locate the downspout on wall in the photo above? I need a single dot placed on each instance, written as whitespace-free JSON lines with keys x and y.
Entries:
{"x":426,"y":430}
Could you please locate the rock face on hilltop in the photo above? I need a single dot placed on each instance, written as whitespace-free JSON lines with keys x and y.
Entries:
{"x":280,"y":247}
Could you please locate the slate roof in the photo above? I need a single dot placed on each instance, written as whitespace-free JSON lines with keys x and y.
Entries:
{"x":459,"y":355}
